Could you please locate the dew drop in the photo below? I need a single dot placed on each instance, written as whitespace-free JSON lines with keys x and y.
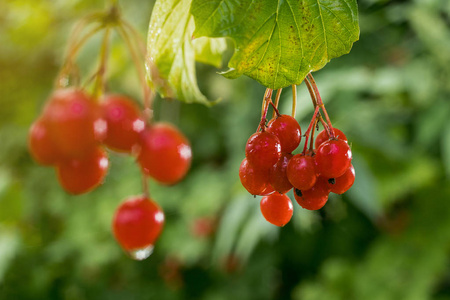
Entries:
{"x":142,"y":253}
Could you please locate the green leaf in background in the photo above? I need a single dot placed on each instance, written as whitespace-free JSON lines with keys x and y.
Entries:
{"x":171,"y":53}
{"x":279,"y":42}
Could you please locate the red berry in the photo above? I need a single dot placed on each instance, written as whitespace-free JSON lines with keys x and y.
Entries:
{"x":277,"y":209}
{"x":255,"y":181}
{"x":323,"y":136}
{"x":278,"y":176}
{"x":314,"y":198}
{"x":288,"y":131}
{"x":71,"y":118}
{"x":165,"y":153}
{"x":344,"y":182}
{"x":333,"y":158}
{"x":301,"y":171}
{"x":78,"y":176}
{"x":41,"y":146}
{"x":137,"y":224}
{"x":123,"y":122}
{"x":263,"y":150}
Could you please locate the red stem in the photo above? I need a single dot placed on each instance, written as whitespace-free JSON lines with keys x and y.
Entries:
{"x":311,"y":124}
{"x":266,"y":102}
{"x":277,"y":101}
{"x":320,"y":104}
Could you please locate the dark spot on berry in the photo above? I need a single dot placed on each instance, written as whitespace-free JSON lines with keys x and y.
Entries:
{"x":298,"y":192}
{"x":331,"y":181}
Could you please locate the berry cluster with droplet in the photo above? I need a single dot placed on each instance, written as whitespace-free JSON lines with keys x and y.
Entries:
{"x":270,"y":169}
{"x":76,"y":126}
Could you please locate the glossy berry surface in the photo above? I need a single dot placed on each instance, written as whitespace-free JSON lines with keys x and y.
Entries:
{"x":165,"y":153}
{"x":314,"y":198}
{"x":301,"y":171}
{"x":278,"y":176}
{"x":255,"y":181}
{"x":137,"y":223}
{"x":263,"y":150}
{"x":288,"y":131}
{"x":344,"y":182}
{"x":323,"y":137}
{"x":277,"y":209}
{"x":333,"y":158}
{"x":40,"y":145}
{"x":123,"y":123}
{"x":78,"y":176}
{"x":71,"y":115}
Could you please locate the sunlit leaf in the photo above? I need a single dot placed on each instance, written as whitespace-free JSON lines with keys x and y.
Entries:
{"x":279,"y":42}
{"x":171,"y":54}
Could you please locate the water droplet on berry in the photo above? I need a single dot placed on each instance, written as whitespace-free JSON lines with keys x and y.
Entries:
{"x":142,"y":253}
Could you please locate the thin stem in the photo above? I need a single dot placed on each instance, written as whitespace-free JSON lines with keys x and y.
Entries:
{"x":148,"y":96}
{"x":320,"y":103}
{"x":73,"y":51}
{"x":277,"y":101}
{"x":100,"y":83}
{"x":275,"y":109}
{"x":314,"y":100}
{"x":311,"y":140}
{"x":294,"y":100}
{"x":311,"y":124}
{"x":266,"y":101}
{"x":136,"y":36}
{"x":145,"y":189}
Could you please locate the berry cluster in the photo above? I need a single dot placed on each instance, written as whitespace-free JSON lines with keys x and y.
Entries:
{"x":75,"y":127}
{"x":270,"y":169}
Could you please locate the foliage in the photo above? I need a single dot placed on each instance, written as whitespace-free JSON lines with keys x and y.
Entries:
{"x":387,"y":238}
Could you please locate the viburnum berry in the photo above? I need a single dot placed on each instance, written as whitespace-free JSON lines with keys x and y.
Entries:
{"x":278,"y":176}
{"x":301,"y":171}
{"x":288,"y":131}
{"x":124,"y":122}
{"x":40,"y":144}
{"x":323,"y":136}
{"x":81,"y":175}
{"x":277,"y":209}
{"x":255,"y":181}
{"x":263,"y":150}
{"x":333,"y":158}
{"x":165,"y":153}
{"x":344,"y":182}
{"x":71,"y":116}
{"x":137,"y":223}
{"x":314,"y":198}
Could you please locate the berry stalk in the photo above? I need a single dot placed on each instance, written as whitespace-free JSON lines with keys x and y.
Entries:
{"x":311,"y":125}
{"x":100,"y":81}
{"x":294,"y":100}
{"x":275,"y":106}
{"x":320,"y":103}
{"x":148,"y":96}
{"x":267,"y":99}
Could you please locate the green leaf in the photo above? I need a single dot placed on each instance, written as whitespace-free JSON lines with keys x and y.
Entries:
{"x":209,"y":51}
{"x":279,"y":42}
{"x":170,"y":52}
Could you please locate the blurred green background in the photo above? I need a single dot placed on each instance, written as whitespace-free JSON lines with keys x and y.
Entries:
{"x":386,"y":238}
